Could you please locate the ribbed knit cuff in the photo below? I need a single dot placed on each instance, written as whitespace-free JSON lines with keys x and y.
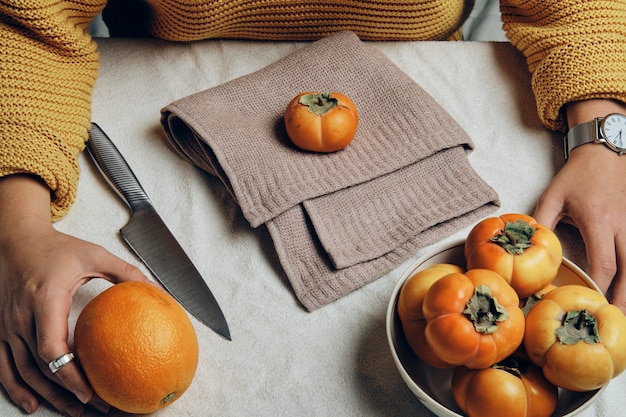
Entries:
{"x":45,"y":97}
{"x":575,"y":50}
{"x":41,"y":158}
{"x":562,"y":79}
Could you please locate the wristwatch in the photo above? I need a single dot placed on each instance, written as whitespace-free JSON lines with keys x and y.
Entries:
{"x":609,"y":130}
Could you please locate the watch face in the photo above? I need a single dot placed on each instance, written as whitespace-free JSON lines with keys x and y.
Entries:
{"x":614,"y":131}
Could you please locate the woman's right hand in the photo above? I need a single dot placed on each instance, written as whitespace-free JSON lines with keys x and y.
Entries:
{"x":588,"y":193}
{"x":40,"y":270}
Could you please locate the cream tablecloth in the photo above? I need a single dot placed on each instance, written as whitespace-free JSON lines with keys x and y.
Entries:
{"x":284,"y":361}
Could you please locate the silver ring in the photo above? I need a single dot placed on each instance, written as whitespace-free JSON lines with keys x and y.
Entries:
{"x":60,"y":362}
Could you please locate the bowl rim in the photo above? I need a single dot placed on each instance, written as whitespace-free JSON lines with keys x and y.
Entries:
{"x":391,"y":316}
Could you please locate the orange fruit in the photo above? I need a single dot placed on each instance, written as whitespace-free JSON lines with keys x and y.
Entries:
{"x":137,"y":347}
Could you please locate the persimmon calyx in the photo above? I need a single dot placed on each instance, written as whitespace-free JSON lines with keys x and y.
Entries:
{"x":578,"y":325}
{"x":515,"y":237}
{"x":484,"y":311}
{"x":530,"y":302}
{"x":319,"y":103}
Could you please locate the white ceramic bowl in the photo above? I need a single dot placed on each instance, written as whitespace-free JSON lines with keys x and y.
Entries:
{"x":432,"y":385}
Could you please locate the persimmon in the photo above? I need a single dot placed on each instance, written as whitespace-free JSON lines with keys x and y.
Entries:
{"x":410,"y":303}
{"x":473,"y":319}
{"x":137,"y":347}
{"x":577,"y":337}
{"x":525,"y":253}
{"x":514,"y":387}
{"x":321,"y":122}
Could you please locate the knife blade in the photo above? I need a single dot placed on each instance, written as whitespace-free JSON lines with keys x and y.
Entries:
{"x":148,"y":236}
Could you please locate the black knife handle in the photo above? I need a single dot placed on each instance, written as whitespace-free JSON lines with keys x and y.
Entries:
{"x":115,"y":169}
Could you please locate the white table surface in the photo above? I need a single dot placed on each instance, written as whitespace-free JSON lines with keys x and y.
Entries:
{"x":284,"y":361}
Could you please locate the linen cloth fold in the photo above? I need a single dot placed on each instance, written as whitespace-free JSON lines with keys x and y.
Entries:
{"x":338,"y":220}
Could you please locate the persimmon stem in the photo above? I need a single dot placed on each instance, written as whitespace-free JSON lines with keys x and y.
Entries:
{"x":512,"y":366}
{"x":484,"y":310}
{"x":515,"y":237}
{"x":577,"y":326}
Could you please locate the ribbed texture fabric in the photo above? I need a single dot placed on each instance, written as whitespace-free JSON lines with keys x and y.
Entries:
{"x":239,"y":119}
{"x":575,"y":50}
{"x":342,"y":219}
{"x":361,"y":223}
{"x":290,"y":19}
{"x":48,"y":65}
{"x":316,"y":282}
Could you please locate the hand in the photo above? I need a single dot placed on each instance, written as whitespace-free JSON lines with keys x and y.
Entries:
{"x":40,"y":270}
{"x":589,"y":193}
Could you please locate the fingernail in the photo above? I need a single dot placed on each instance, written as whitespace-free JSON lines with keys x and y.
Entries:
{"x":83,"y":397}
{"x":27,"y":407}
{"x":73,"y":411}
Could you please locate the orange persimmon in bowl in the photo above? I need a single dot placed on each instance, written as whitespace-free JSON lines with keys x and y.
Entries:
{"x":432,"y":384}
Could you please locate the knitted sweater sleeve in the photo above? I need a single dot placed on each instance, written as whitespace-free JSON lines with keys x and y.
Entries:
{"x":48,"y":66}
{"x":575,"y":50}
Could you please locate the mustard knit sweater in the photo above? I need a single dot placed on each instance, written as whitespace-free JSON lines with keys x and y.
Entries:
{"x":575,"y":49}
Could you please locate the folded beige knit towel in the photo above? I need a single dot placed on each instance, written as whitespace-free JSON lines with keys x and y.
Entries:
{"x":339,"y":220}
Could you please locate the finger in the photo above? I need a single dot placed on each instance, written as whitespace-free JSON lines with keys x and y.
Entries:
{"x":30,"y":372}
{"x":618,"y":294}
{"x":600,"y":248}
{"x":549,"y":211}
{"x":9,"y":378}
{"x":99,"y":404}
{"x":51,"y":317}
{"x":115,"y":269}
{"x":618,"y":290}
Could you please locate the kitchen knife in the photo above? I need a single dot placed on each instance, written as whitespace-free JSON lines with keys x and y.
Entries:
{"x":151,"y":240}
